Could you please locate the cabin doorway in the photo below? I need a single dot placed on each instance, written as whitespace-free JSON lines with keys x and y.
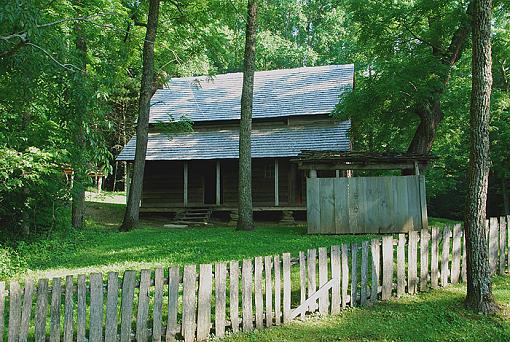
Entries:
{"x":209,"y":177}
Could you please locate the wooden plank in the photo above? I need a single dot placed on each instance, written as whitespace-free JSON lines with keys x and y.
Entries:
{"x":327,"y":206}
{"x":26,"y":311}
{"x":81,"y":319}
{"x":341,"y":194}
{"x":2,"y":308}
{"x":126,"y":313}
{"x":96,"y":307}
{"x":174,"y":280}
{"x":493,"y":244}
{"x":434,"y":259}
{"x":345,"y":274}
{"x":302,"y":279}
{"x":277,"y":290}
{"x":189,"y":302}
{"x":412,"y":263}
{"x":157,"y":316}
{"x":41,"y":310}
{"x":335,"y":276}
{"x":353,"y":204}
{"x":234,"y":295}
{"x":112,"y":298}
{"x":56,"y":294}
{"x":464,"y":258}
{"x":313,"y":205}
{"x":376,"y":269}
{"x":502,"y":244}
{"x":323,"y":279}
{"x":401,"y":265}
{"x":258,"y":284}
{"x":143,"y":306}
{"x":445,"y":255}
{"x":68,"y":310}
{"x":424,"y":259}
{"x":286,"y":287}
{"x":268,"y":265}
{"x":354,"y":273}
{"x":364,"y":273}
{"x":204,"y":302}
{"x":456,"y":251}
{"x":220,"y":291}
{"x":312,"y":277}
{"x":387,"y":255}
{"x":301,"y":308}
{"x":14,"y":311}
{"x":247,"y":283}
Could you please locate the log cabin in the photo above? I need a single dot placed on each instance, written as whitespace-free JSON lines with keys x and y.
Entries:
{"x":186,"y":173}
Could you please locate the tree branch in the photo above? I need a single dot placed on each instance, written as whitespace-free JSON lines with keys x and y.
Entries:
{"x":84,"y":18}
{"x":67,"y":66}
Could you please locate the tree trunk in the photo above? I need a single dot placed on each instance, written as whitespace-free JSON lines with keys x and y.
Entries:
{"x":245,"y":195}
{"x":479,"y":285}
{"x":79,"y":163}
{"x":132,"y":213}
{"x":430,"y":116}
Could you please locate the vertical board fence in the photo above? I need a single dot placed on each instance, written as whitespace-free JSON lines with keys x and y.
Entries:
{"x":198,"y":302}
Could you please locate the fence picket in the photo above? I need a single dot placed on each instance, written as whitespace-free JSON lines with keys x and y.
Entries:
{"x":502,"y":242}
{"x":286,"y":287}
{"x":126,"y":313}
{"x":41,"y":311}
{"x":2,"y":306}
{"x":401,"y":265}
{"x":508,"y":241}
{"x":268,"y":265}
{"x":259,"y":304}
{"x":96,"y":307}
{"x":335,"y":275}
{"x":376,"y":269}
{"x":277,"y":291}
{"x":189,"y":302}
{"x":424,"y":259}
{"x":434,"y":259}
{"x":14,"y":311}
{"x":157,"y":316}
{"x":26,"y":311}
{"x":412,"y":260}
{"x":68,"y":310}
{"x":56,"y":293}
{"x":345,"y":275}
{"x":220,"y":288}
{"x":204,"y":302}
{"x":247,"y":274}
{"x":364,"y":273}
{"x":456,"y":249}
{"x":493,"y":244}
{"x":110,"y":334}
{"x":445,"y":271}
{"x":323,"y":279}
{"x":234,"y":295}
{"x":173,"y":303}
{"x":464,"y":258}
{"x":354,"y":273}
{"x":312,"y":276}
{"x":81,"y":319}
{"x":302,"y":279}
{"x":387,"y":249}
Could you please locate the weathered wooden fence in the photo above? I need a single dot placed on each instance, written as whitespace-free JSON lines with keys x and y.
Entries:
{"x":366,"y":205}
{"x":185,"y":304}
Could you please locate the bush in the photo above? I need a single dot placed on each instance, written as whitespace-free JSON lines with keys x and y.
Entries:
{"x":11,"y":262}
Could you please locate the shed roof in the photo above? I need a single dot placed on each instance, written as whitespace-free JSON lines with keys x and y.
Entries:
{"x":224,"y":144}
{"x":277,"y":93}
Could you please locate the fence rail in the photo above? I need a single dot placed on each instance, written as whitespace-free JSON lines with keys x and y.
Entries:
{"x":195,"y":304}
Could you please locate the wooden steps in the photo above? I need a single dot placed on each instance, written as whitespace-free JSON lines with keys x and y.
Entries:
{"x":194,"y":217}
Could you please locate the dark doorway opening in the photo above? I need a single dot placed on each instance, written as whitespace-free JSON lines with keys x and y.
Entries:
{"x":210,"y":182}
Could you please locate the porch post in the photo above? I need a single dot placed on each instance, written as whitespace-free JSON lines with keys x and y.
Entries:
{"x":276,"y":193}
{"x":313,"y":174}
{"x":218,"y":183}
{"x":185,"y":183}
{"x":337,"y":173}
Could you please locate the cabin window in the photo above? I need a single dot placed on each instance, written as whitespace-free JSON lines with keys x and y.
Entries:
{"x":269,"y":170}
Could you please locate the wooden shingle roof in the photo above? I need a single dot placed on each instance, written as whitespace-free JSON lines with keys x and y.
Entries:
{"x":224,"y":143}
{"x":277,"y":93}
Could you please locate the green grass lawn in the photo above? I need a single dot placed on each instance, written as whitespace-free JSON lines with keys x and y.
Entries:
{"x":434,"y":316}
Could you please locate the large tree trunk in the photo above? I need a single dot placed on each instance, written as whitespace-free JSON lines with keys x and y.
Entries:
{"x":132,"y":213}
{"x":79,"y":164}
{"x":479,"y":285}
{"x":245,"y":195}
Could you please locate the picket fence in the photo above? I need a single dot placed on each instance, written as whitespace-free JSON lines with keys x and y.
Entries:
{"x":229,"y":297}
